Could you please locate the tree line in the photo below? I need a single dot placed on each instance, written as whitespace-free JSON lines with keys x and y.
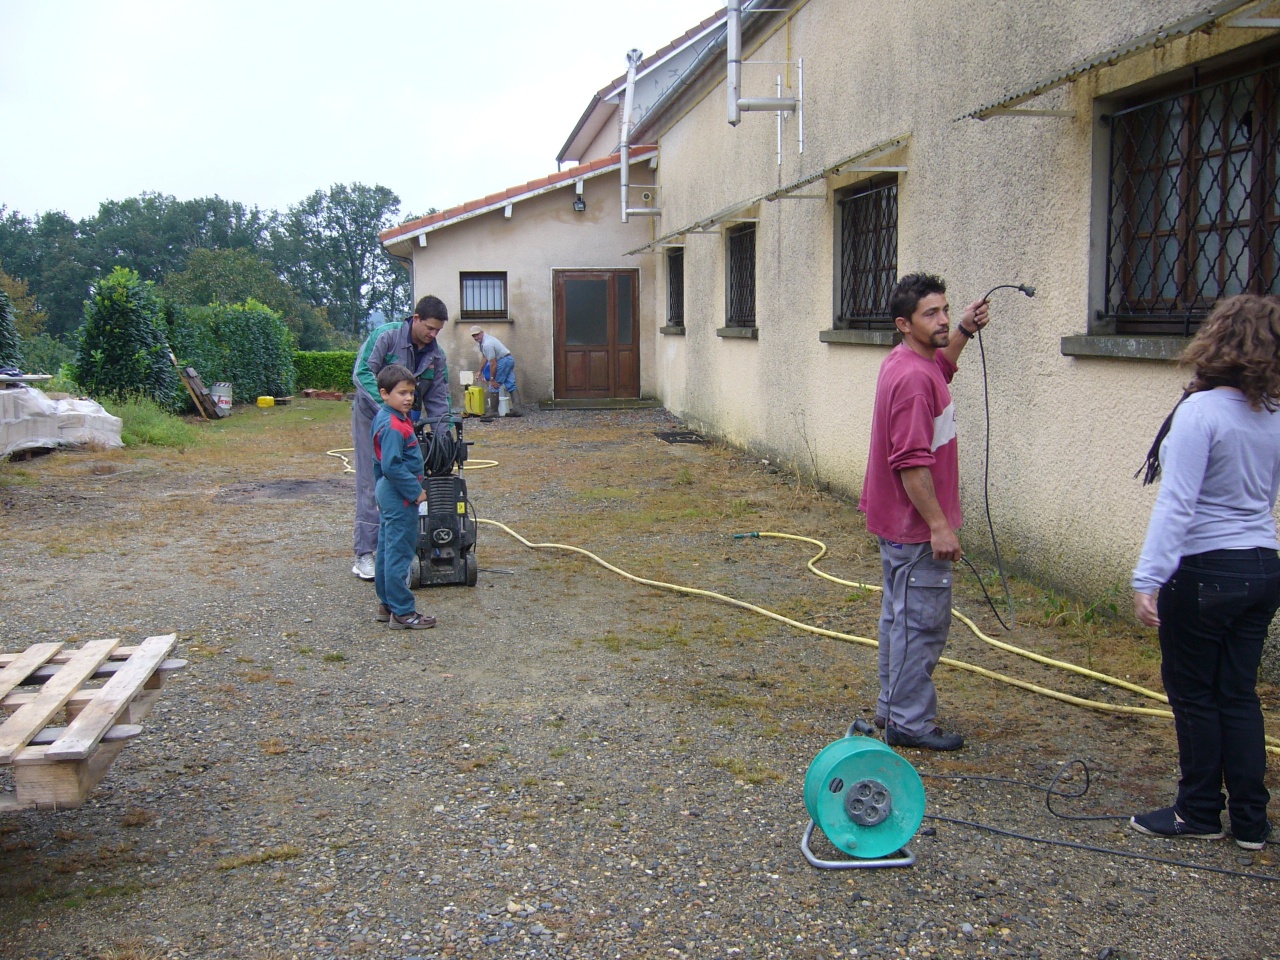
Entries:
{"x":318,"y":264}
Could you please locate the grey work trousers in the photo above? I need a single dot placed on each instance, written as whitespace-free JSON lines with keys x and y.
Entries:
{"x":365,"y":538}
{"x":915,"y":615}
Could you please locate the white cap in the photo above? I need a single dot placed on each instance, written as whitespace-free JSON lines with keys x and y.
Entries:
{"x":475,"y":328}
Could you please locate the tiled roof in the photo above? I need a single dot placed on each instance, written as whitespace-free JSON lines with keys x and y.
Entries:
{"x":511,"y":195}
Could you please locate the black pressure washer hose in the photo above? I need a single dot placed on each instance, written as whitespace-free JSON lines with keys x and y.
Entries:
{"x":1030,"y":291}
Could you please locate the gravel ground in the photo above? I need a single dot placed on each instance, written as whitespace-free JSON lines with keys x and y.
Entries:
{"x":571,"y":765}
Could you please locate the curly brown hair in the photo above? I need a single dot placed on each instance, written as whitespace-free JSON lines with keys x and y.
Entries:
{"x":1239,"y":346}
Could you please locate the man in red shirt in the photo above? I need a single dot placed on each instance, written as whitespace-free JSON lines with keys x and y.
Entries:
{"x":911,"y":496}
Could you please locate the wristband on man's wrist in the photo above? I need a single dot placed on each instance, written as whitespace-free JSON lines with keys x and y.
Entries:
{"x":964,"y":330}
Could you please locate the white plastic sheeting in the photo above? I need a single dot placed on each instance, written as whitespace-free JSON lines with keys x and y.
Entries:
{"x":29,"y":420}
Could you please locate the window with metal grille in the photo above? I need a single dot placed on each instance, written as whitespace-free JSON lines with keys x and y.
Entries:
{"x":675,"y":286}
{"x":1193,"y":208}
{"x":484,"y":296}
{"x":868,"y":244}
{"x":740,"y":296}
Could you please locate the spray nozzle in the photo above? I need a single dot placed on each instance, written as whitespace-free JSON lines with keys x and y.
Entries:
{"x":1026,"y":288}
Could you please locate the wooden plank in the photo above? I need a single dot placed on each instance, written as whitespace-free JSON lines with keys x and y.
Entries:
{"x":31,"y":718}
{"x":113,"y":698}
{"x":122,"y":652}
{"x":106,"y":669}
{"x":190,"y":390}
{"x":30,"y":753}
{"x":17,"y":669}
{"x":83,"y":697}
{"x":62,"y":786}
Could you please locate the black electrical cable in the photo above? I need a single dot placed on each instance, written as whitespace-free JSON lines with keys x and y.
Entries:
{"x":1109,"y":851}
{"x":1051,"y":791}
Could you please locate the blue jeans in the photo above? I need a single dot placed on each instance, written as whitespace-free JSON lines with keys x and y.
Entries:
{"x":505,"y":373}
{"x":397,"y":540}
{"x":915,"y":615}
{"x":1214,"y":615}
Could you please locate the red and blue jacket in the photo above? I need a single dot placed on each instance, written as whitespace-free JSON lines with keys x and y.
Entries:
{"x":397,"y":456}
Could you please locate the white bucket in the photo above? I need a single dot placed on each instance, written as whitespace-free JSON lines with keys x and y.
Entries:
{"x":221,"y":393}
{"x":504,"y":402}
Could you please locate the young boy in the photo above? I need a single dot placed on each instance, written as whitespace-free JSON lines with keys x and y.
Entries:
{"x":397,"y":467}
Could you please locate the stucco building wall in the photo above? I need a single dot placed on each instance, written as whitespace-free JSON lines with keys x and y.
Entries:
{"x":1005,"y":200}
{"x":544,"y":234}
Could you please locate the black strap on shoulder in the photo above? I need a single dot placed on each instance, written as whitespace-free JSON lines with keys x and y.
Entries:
{"x":1150,"y":469}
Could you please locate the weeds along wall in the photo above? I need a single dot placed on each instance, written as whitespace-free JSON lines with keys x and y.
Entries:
{"x":324,"y":370}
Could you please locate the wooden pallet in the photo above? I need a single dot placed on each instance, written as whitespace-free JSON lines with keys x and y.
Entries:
{"x":71,"y":712}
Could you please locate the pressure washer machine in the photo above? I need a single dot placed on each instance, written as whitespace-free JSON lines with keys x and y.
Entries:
{"x":447,"y":526}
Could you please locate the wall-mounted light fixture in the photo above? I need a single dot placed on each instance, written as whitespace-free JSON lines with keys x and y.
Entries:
{"x":579,"y":204}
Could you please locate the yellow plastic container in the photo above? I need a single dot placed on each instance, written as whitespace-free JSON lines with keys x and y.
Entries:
{"x":473,"y":401}
{"x":266,"y":401}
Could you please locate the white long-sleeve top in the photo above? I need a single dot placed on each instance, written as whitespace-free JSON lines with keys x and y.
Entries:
{"x":1220,"y":472}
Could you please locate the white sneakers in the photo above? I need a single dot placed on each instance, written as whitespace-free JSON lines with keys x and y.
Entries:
{"x":364,"y":566}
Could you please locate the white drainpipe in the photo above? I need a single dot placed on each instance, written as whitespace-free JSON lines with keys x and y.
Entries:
{"x":733,"y":37}
{"x":633,"y":60}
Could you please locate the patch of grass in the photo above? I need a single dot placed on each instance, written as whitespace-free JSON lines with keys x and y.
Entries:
{"x":145,"y":423}
{"x":137,"y":817}
{"x":132,"y":949}
{"x":736,"y":509}
{"x":286,"y":851}
{"x":14,"y":476}
{"x":204,"y":649}
{"x":749,"y":771}
{"x":683,"y":477}
{"x":334,"y":658}
{"x":604,"y":493}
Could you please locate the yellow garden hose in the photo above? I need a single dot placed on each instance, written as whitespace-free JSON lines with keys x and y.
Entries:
{"x":347,"y":468}
{"x":998,"y":644}
{"x":1272,"y":745}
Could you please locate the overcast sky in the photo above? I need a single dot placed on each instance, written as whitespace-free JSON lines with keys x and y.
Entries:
{"x":267,"y":101}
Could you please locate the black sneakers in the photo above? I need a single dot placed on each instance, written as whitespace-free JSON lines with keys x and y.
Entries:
{"x":1167,"y":823}
{"x":935,"y":739}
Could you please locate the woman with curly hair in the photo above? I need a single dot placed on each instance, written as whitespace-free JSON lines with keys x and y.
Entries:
{"x":1209,"y":575}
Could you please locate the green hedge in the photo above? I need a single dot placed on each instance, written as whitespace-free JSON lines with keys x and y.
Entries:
{"x":246,"y":345}
{"x":325,"y":370}
{"x":122,"y":350}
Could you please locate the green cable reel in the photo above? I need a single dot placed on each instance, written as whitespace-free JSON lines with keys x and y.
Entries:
{"x":868,"y":800}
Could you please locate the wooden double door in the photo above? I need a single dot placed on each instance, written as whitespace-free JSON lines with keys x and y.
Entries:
{"x":597,"y":338}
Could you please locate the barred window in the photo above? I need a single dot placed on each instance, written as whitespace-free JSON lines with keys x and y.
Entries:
{"x":484,"y":296}
{"x":675,"y":286}
{"x":1193,"y":208}
{"x":868,"y":245}
{"x":740,"y":296}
